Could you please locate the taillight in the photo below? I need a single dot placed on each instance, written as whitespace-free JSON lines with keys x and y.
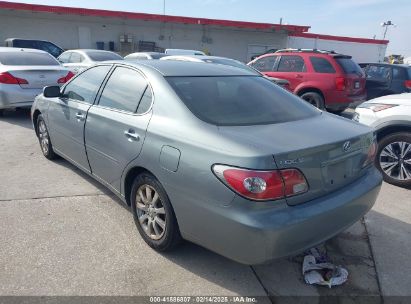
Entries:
{"x":262,"y":185}
{"x":340,"y":83}
{"x":407,"y":84}
{"x":7,"y":78}
{"x":65,"y":78}
{"x":372,"y":151}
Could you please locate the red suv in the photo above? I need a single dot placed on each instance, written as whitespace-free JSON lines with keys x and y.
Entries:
{"x":325,"y":79}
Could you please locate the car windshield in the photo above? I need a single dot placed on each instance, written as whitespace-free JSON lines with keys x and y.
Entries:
{"x":239,"y":100}
{"x":232,"y":63}
{"x":27,"y":58}
{"x":349,"y":66}
{"x":103,"y":56}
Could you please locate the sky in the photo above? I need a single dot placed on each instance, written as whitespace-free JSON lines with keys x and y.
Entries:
{"x":354,"y":18}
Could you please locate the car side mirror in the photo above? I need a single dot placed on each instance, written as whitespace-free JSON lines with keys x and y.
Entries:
{"x":51,"y":91}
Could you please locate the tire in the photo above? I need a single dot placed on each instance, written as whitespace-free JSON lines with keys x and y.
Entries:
{"x":314,"y":98}
{"x":393,"y":158}
{"x":44,"y":139}
{"x":154,"y":218}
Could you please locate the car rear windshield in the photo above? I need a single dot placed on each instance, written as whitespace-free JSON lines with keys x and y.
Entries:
{"x":27,"y":58}
{"x":103,"y":56}
{"x":232,"y":63}
{"x":239,"y":100}
{"x":349,"y":66}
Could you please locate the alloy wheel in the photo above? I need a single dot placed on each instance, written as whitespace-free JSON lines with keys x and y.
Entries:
{"x":395,"y":160}
{"x":44,"y":137}
{"x":150,"y":212}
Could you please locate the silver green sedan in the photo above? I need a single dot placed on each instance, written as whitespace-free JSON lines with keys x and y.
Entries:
{"x":212,"y":154}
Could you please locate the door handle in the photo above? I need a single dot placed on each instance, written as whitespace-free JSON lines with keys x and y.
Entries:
{"x":80,"y":116}
{"x":298,"y":76}
{"x":132,"y":135}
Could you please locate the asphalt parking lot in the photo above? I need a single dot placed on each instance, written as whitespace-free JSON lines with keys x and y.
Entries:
{"x":62,"y":234}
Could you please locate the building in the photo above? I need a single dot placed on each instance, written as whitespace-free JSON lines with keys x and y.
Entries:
{"x":126,"y":32}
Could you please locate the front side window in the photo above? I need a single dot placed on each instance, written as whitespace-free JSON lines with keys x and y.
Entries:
{"x":399,"y":73}
{"x":265,"y":64}
{"x":239,"y":100}
{"x":322,"y":65}
{"x":291,"y":63}
{"x":85,"y":86}
{"x":27,"y":58}
{"x":378,"y":72}
{"x":123,"y":90}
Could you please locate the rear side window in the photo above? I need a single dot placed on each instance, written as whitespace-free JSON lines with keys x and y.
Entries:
{"x":85,"y":86}
{"x":27,"y":58}
{"x":76,"y":58}
{"x":265,"y":64}
{"x":65,"y":57}
{"x":399,"y":73}
{"x":322,"y":65}
{"x":291,"y":63}
{"x":349,"y":66}
{"x":239,"y":100}
{"x":123,"y":90}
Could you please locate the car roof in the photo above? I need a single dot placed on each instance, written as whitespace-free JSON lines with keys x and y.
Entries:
{"x":386,"y":64}
{"x":15,"y":49}
{"x":146,"y":53}
{"x":186,"y":68}
{"x":200,"y":57}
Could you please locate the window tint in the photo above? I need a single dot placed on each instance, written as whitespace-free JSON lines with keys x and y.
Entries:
{"x":399,"y":73}
{"x":321,"y":65}
{"x":349,"y":66}
{"x":291,"y":63}
{"x":76,"y":57}
{"x":29,"y":44}
{"x":85,"y":86}
{"x":64,"y":58}
{"x":49,"y":48}
{"x":378,"y":72}
{"x":265,"y":64}
{"x":27,"y":58}
{"x":123,"y":90}
{"x":409,"y":73}
{"x":239,"y":100}
{"x":145,"y":102}
{"x":103,"y":56}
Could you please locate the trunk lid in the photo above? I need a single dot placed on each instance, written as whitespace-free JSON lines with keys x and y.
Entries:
{"x":327,"y":149}
{"x":38,"y":76}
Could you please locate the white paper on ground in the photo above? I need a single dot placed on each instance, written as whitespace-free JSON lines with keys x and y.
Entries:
{"x":312,"y":275}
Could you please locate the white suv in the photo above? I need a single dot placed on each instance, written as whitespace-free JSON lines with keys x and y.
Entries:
{"x":391,"y":117}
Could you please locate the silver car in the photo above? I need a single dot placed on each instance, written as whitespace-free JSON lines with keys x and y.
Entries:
{"x":144,"y":56}
{"x":78,"y":60}
{"x":212,"y":154}
{"x":24,"y":73}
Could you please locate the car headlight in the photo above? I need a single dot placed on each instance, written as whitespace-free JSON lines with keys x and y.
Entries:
{"x":376,"y":107}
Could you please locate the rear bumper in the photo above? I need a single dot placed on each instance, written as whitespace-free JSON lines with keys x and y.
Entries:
{"x":265,"y":233}
{"x":13,"y":96}
{"x":343,"y":102}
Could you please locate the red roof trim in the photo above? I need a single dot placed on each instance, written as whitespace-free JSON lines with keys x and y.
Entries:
{"x":147,"y":17}
{"x":339,"y":38}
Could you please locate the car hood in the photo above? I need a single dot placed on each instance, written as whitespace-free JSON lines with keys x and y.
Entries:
{"x":402,"y":99}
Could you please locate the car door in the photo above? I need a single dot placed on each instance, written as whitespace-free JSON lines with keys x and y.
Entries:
{"x":116,"y":126}
{"x":291,"y":68}
{"x":67,"y":114}
{"x":378,"y":81}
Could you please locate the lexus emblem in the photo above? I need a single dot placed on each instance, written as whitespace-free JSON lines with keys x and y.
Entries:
{"x":346,"y":146}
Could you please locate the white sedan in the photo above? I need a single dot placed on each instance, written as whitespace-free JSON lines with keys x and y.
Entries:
{"x":390,"y":116}
{"x":24,"y":73}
